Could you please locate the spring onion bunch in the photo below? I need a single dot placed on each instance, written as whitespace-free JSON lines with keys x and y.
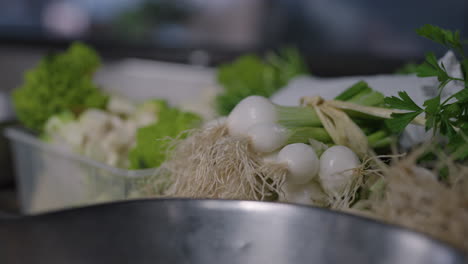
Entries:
{"x":265,"y":151}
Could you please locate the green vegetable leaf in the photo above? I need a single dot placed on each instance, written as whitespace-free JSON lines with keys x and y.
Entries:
{"x":450,"y":117}
{"x":432,"y":110}
{"x":250,"y":75}
{"x":403,"y":103}
{"x":426,"y":70}
{"x":360,"y":93}
{"x":370,"y":98}
{"x":432,"y":105}
{"x":464,"y":67}
{"x":445,"y":127}
{"x":153,"y":141}
{"x":288,"y":63}
{"x":462,"y":96}
{"x":431,"y":122}
{"x":357,"y":88}
{"x":450,"y":110}
{"x":445,"y":37}
{"x":60,"y":82}
{"x":432,"y":68}
{"x":399,"y":122}
{"x":458,"y":143}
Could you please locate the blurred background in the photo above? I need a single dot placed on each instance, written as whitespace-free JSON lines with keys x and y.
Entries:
{"x":336,"y":37}
{"x":328,"y":32}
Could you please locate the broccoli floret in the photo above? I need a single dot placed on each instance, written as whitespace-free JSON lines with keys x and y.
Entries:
{"x":152,"y":141}
{"x":60,"y":82}
{"x":249,"y":75}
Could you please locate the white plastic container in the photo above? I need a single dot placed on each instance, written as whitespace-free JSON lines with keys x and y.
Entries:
{"x":50,"y":178}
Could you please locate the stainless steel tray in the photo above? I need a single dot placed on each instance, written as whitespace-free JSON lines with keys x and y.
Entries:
{"x":212,"y":231}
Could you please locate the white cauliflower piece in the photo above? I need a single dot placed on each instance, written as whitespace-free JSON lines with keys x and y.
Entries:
{"x":101,"y":135}
{"x":120,"y":105}
{"x":62,"y":129}
{"x":96,"y":122}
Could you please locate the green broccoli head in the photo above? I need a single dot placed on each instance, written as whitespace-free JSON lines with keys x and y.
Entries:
{"x":153,"y":141}
{"x":60,"y":82}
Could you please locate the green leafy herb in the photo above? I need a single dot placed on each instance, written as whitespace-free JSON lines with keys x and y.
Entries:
{"x":400,"y":121}
{"x":152,"y":141}
{"x":459,"y":142}
{"x":450,"y":39}
{"x":404,"y":102}
{"x":448,"y":117}
{"x":250,"y":75}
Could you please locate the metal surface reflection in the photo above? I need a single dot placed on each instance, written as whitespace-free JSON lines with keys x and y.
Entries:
{"x":212,"y":231}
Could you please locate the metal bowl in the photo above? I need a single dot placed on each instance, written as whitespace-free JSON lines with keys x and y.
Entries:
{"x":212,"y":231}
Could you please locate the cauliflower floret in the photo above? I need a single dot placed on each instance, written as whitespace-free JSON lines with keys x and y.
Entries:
{"x":111,"y":137}
{"x":62,"y":129}
{"x":73,"y":134}
{"x":144,"y":118}
{"x":55,"y":122}
{"x":113,"y":147}
{"x":148,"y":112}
{"x":94,"y":151}
{"x":120,"y":105}
{"x":96,"y":122}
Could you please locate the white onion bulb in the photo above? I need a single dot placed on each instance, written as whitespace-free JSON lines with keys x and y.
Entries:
{"x":251,"y":110}
{"x":267,"y":137}
{"x":336,"y":168}
{"x":301,"y":160}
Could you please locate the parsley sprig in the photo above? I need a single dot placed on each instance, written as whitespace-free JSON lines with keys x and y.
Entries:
{"x":448,"y":117}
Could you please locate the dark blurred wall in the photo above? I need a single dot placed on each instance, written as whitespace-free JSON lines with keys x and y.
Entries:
{"x":385,"y":28}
